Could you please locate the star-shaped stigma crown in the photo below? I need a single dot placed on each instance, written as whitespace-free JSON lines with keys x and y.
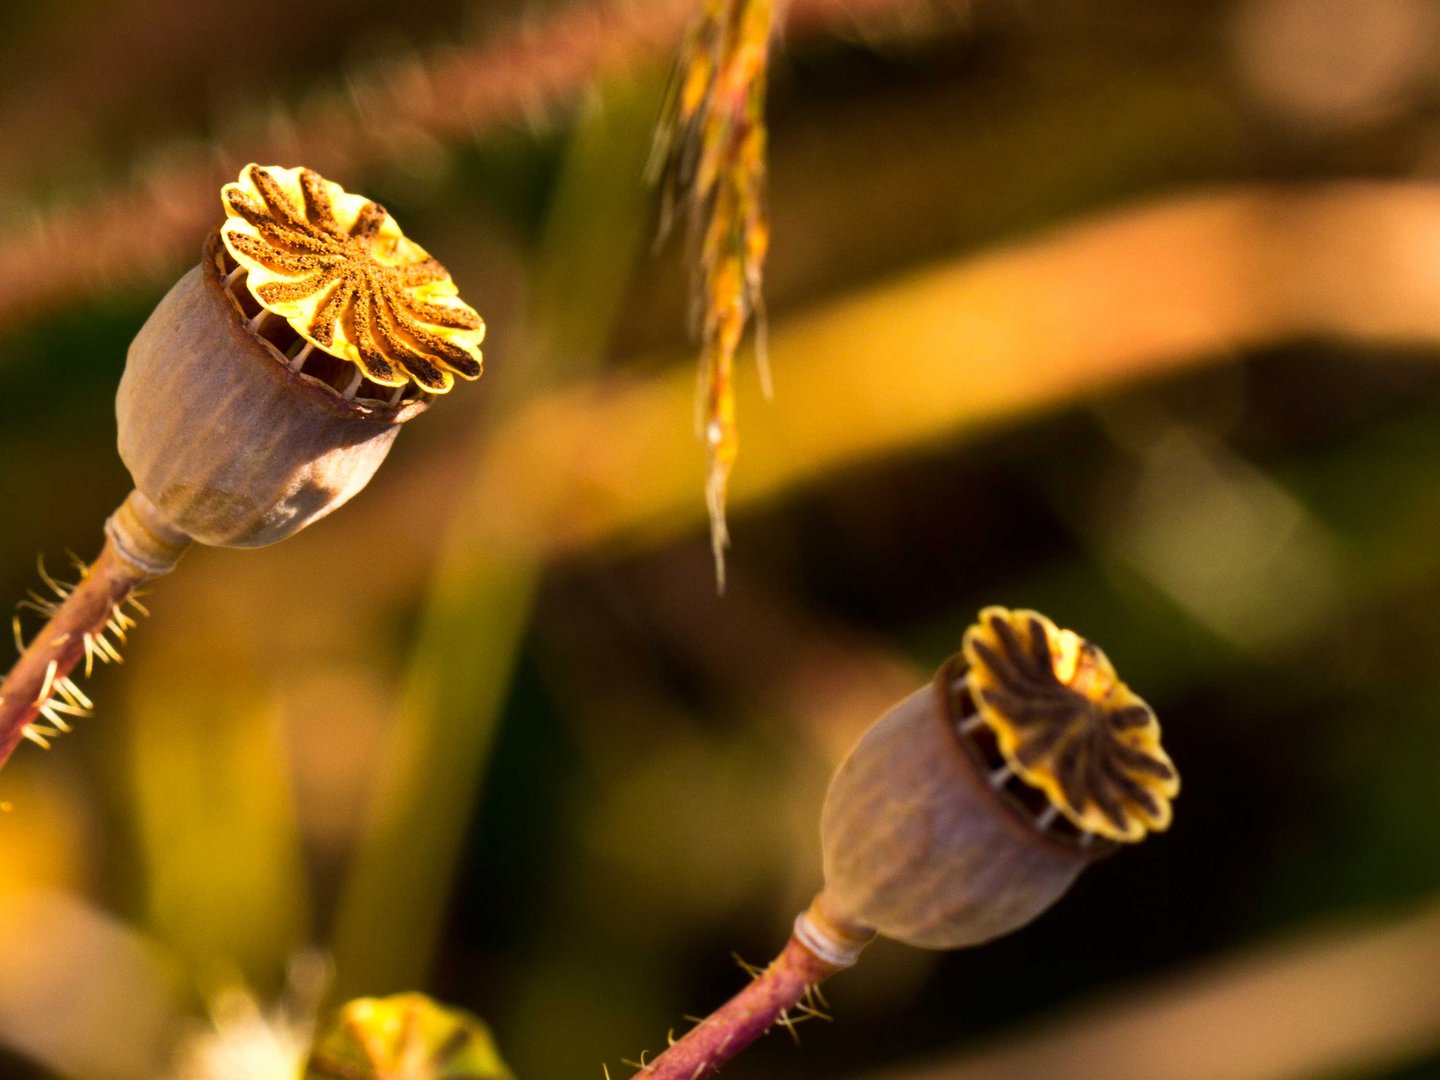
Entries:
{"x":338,"y":269}
{"x":1067,"y":725}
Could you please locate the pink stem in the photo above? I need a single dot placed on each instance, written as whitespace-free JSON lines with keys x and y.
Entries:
{"x":742,"y":1019}
{"x":60,"y":645}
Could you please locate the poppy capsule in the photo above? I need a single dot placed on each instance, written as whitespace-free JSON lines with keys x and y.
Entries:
{"x":268,"y":385}
{"x":972,"y":806}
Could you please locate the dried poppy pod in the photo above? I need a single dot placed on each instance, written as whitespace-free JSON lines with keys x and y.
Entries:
{"x":261,"y":394}
{"x":268,"y":385}
{"x":960,"y":815}
{"x":971,"y":806}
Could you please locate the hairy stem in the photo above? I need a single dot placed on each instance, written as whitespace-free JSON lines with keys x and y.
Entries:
{"x":490,"y":82}
{"x":80,"y":620}
{"x":744,"y":1018}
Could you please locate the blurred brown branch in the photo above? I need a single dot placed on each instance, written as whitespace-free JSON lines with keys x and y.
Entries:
{"x":140,"y":232}
{"x":1340,"y":1000}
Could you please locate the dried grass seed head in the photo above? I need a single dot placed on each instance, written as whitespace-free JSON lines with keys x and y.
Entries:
{"x":709,"y":159}
{"x":933,"y":830}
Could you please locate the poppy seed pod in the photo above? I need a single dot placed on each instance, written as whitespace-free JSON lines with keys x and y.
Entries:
{"x":971,"y":806}
{"x":268,"y":385}
{"x":261,"y":394}
{"x":960,"y":815}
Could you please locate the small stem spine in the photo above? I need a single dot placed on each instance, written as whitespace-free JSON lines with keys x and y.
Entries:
{"x":821,"y":946}
{"x":80,"y":618}
{"x":742,"y":1019}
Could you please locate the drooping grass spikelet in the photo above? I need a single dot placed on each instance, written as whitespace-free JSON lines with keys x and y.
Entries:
{"x":709,"y":158}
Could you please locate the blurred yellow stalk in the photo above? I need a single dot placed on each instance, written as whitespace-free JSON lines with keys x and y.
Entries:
{"x":453,"y":94}
{"x":977,"y":342}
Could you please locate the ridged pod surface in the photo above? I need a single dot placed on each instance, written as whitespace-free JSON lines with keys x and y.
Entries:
{"x":920,"y":846}
{"x":228,"y":444}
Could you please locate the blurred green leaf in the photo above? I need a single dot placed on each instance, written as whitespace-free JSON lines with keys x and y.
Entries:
{"x":453,"y":691}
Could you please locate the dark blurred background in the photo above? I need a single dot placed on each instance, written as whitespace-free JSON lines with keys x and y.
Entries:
{"x":489,"y":733}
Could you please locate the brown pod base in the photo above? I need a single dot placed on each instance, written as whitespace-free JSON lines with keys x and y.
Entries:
{"x":225,"y":440}
{"x":924,"y":845}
